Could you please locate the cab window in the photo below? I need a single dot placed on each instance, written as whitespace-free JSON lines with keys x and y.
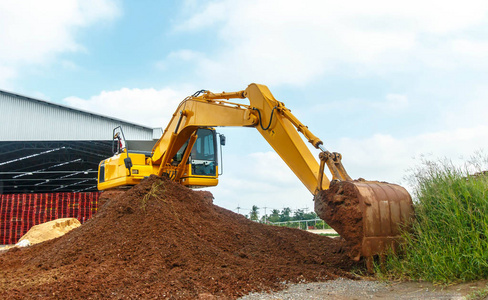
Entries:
{"x":203,"y":158}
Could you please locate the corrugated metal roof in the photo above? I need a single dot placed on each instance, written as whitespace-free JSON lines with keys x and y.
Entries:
{"x":28,"y":119}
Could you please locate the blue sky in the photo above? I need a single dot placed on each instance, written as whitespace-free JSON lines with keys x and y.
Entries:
{"x":382,"y":82}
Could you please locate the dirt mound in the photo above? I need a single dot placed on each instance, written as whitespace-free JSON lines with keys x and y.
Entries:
{"x":339,"y":207}
{"x":160,"y":239}
{"x":49,"y":230}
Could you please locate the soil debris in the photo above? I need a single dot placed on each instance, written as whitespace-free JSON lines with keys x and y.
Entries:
{"x":367,"y":214}
{"x":339,"y":207}
{"x":162,"y":240}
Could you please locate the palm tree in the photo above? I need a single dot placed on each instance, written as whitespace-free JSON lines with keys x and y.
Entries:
{"x":285,"y":214}
{"x":275,"y":216}
{"x":254,"y":213}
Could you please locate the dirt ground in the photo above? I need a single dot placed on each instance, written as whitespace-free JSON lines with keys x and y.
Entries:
{"x":162,"y":240}
{"x":342,"y":289}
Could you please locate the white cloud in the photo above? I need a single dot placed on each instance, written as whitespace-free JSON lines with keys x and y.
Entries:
{"x":6,"y":73}
{"x":185,"y":55}
{"x":67,"y":64}
{"x":394,"y":102}
{"x":469,"y":109}
{"x":148,"y":107}
{"x":290,"y":42}
{"x":34,"y":32}
{"x":473,"y":53}
{"x":213,"y":12}
{"x":384,"y":157}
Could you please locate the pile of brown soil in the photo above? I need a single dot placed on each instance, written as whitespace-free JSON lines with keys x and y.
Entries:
{"x":339,"y":207}
{"x":160,"y":239}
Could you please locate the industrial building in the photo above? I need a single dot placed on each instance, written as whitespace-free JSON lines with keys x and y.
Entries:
{"x":47,"y":147}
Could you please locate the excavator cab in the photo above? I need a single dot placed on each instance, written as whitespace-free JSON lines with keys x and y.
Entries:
{"x":201,"y":169}
{"x":203,"y":157}
{"x":195,"y":167}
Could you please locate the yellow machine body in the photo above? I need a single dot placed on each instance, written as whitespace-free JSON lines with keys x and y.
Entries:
{"x":113,"y":171}
{"x":118,"y":175}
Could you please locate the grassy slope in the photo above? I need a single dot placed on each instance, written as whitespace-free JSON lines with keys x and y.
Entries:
{"x":449,"y":241}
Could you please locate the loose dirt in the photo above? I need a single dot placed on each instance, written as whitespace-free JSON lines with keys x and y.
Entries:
{"x":162,"y":240}
{"x":338,"y":206}
{"x":50,"y":230}
{"x":341,"y":289}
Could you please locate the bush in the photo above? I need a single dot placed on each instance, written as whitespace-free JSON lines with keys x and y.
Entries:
{"x":448,"y":241}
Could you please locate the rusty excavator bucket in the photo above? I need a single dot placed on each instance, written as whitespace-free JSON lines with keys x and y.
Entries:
{"x":367,"y":214}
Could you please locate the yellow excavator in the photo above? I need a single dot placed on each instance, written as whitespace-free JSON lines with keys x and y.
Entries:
{"x":367,"y":214}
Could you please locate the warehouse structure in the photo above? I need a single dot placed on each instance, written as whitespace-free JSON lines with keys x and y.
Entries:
{"x":50,"y":148}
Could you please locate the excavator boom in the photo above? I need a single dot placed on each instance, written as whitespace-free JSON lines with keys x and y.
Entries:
{"x":270,"y":117}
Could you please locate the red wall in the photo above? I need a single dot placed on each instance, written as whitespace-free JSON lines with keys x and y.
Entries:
{"x":19,"y":212}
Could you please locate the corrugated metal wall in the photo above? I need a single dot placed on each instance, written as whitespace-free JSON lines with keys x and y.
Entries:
{"x":27,"y":119}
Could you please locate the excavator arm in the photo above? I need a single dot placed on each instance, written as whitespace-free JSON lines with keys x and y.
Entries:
{"x":270,"y":117}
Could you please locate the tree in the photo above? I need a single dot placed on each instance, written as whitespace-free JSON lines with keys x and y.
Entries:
{"x":274,"y":216}
{"x":298,"y":215}
{"x":285,"y":214}
{"x":254,"y":213}
{"x":310,"y":216}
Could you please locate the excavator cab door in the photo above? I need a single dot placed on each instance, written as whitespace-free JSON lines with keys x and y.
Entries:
{"x":203,"y":157}
{"x":118,"y":142}
{"x":202,"y":165}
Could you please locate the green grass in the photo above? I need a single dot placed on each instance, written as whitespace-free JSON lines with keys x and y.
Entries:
{"x":153,"y":193}
{"x":478,"y":295}
{"x":449,"y":238}
{"x":329,"y":234}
